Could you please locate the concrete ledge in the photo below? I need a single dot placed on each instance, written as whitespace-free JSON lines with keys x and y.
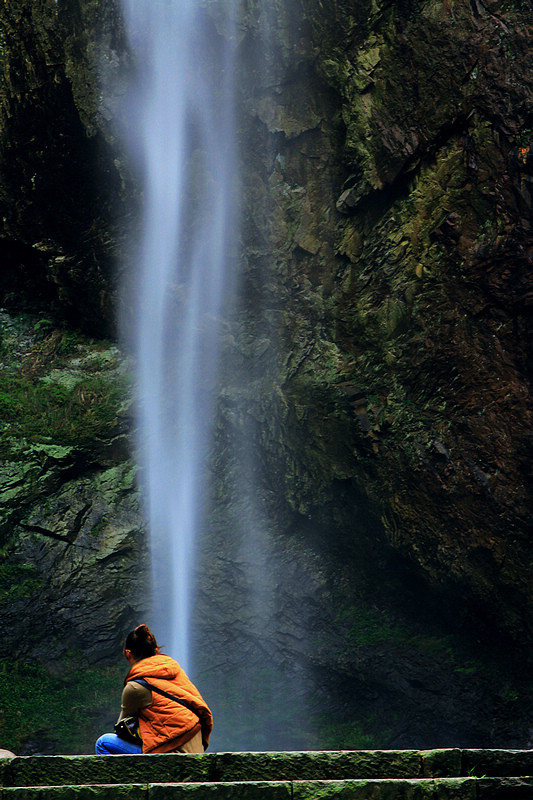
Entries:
{"x":505,"y":788}
{"x":497,"y":762}
{"x":371,"y":789}
{"x":303,"y":774}
{"x":252,"y":790}
{"x":388,"y":789}
{"x":77,"y":770}
{"x":441,"y":763}
{"x":391,"y":789}
{"x":71,"y":770}
{"x":319,"y":765}
{"x":103,"y":792}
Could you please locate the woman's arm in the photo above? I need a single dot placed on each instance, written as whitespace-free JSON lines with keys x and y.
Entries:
{"x":134,"y":697}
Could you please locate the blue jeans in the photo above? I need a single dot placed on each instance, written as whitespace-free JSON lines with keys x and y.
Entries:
{"x":109,"y":744}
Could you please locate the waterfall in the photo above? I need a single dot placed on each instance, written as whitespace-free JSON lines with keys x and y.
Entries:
{"x":180,"y":129}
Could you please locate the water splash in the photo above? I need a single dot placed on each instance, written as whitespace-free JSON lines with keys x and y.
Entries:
{"x":181,"y":131}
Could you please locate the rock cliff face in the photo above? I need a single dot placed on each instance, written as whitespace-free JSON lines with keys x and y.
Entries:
{"x":366,"y":578}
{"x":71,"y":533}
{"x":60,"y":180}
{"x":392,"y":405}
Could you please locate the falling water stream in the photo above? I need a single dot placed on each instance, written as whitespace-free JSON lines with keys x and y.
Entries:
{"x":180,"y":127}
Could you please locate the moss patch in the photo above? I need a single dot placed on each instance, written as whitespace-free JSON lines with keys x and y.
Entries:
{"x":65,"y":712}
{"x":57,"y":386}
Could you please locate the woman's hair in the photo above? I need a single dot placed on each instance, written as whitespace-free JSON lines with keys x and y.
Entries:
{"x":142,"y":642}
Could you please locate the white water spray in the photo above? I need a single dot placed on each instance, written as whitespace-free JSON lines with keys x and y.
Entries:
{"x":181,"y":124}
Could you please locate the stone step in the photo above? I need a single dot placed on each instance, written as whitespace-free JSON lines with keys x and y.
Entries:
{"x":370,"y":789}
{"x":497,"y":762}
{"x":413,"y":774}
{"x":213,"y":767}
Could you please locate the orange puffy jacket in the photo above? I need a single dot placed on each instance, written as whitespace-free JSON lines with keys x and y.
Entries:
{"x":166,"y":725}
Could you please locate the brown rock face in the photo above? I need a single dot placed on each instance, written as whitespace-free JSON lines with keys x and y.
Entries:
{"x":437,"y":244}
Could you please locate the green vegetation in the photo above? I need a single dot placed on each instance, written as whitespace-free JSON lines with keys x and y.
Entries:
{"x":511,"y":695}
{"x":368,"y":628}
{"x":56,"y":385}
{"x":68,"y":711}
{"x":51,"y":411}
{"x":335,"y":734}
{"x":17,"y":580}
{"x":364,"y":627}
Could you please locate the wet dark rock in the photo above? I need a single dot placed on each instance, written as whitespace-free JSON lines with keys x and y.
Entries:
{"x":71,"y":530}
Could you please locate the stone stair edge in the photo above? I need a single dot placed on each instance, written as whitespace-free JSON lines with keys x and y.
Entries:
{"x":457,"y":788}
{"x":258,"y":765}
{"x":296,"y":784}
{"x":281,"y":753}
{"x":264,"y":766}
{"x":457,"y":779}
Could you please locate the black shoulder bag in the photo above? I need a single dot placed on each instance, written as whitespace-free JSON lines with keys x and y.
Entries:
{"x":128,"y":729}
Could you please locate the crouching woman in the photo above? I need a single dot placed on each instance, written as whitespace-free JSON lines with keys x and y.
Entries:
{"x":152,"y":688}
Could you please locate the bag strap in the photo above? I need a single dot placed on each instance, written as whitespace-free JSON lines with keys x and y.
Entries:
{"x":144,"y":682}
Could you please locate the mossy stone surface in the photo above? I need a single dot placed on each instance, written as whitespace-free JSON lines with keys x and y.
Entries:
{"x":437,"y":763}
{"x":317,"y":765}
{"x":493,"y":763}
{"x":173,"y":775}
{"x":95,"y":792}
{"x":65,"y":770}
{"x":273,"y":790}
{"x":393,"y":789}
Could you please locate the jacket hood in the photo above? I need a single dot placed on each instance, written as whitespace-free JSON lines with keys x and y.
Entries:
{"x":159,"y":666}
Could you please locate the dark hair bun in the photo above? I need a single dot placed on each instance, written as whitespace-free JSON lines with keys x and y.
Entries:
{"x":143,"y":632}
{"x":141,"y":642}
